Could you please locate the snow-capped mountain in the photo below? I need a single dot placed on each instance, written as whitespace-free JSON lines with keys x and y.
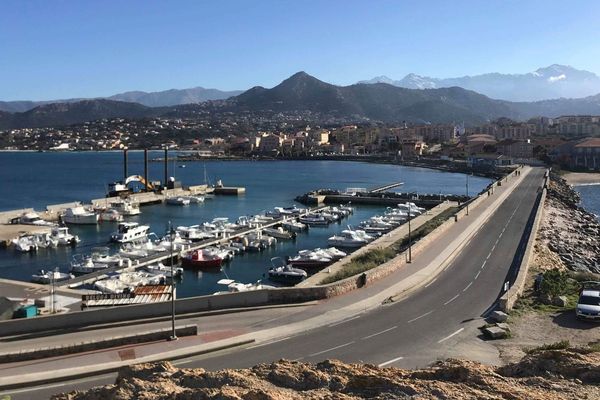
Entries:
{"x":550,"y":82}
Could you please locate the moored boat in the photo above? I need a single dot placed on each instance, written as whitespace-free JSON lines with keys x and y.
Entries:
{"x":285,"y":274}
{"x":130,"y":231}
{"x":79,"y":216}
{"x":199,"y":260}
{"x":45,"y":277}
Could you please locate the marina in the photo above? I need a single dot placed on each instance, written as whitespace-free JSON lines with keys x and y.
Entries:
{"x":264,"y":191}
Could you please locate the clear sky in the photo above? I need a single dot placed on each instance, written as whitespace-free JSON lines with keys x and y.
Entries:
{"x":51,"y":49}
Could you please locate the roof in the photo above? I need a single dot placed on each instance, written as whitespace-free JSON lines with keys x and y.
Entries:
{"x":594,"y":293}
{"x":591,"y":142}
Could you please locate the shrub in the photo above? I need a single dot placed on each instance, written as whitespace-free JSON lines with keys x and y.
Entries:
{"x":555,"y":283}
{"x":562,"y":345}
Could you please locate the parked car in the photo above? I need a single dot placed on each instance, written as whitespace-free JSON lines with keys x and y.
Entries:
{"x":588,"y":305}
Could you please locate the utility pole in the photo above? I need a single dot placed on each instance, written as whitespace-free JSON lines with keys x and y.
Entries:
{"x":173,"y":333}
{"x":409,"y":238}
{"x":467,"y":194}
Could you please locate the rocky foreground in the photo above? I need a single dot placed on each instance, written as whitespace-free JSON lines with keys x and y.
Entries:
{"x":547,"y":375}
{"x":570,"y":232}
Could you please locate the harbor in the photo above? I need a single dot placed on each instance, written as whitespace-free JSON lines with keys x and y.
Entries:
{"x":261,"y":195}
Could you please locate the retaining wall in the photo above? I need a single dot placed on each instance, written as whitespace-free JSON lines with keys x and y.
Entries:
{"x":508,"y":299}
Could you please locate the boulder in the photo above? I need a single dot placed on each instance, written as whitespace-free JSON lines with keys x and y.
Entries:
{"x":504,"y":326}
{"x":494,"y":332}
{"x":560,"y":301}
{"x":499,"y":316}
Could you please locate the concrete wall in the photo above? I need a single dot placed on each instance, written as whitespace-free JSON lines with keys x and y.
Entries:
{"x":144,"y":337}
{"x":6,"y":216}
{"x":508,"y":299}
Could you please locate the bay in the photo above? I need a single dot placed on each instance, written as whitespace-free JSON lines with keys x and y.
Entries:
{"x":38,"y":179}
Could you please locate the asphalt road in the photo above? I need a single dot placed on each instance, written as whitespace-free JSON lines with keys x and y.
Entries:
{"x":430,"y":324}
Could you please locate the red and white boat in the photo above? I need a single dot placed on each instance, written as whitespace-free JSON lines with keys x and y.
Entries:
{"x":201,"y":260}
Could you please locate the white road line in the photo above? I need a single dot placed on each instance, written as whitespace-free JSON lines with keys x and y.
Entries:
{"x":468,"y":286}
{"x":344,"y":321}
{"x":420,"y":316}
{"x":331,"y":349}
{"x":449,"y":336}
{"x":268,"y":343}
{"x":478,"y":272}
{"x":429,"y":284}
{"x":380,"y":333}
{"x":451,"y":300}
{"x":55,"y":385}
{"x":393,"y":360}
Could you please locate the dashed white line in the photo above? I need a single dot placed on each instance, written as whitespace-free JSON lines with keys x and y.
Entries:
{"x":268,"y":343}
{"x":420,"y":316}
{"x":344,"y":321}
{"x":449,"y":336}
{"x":477,"y":275}
{"x":429,"y":284}
{"x":452,"y":299}
{"x":380,"y":333}
{"x":331,"y":349}
{"x":484,"y":262}
{"x":468,"y":286}
{"x":393,"y":360}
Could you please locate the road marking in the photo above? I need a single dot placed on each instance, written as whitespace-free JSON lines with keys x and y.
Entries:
{"x":344,"y":321}
{"x":331,"y":349}
{"x":468,"y":286}
{"x":420,"y":316}
{"x":393,"y":360}
{"x":429,"y":284}
{"x":380,"y":333}
{"x":452,"y":299}
{"x":55,"y":385}
{"x":478,"y":272}
{"x":449,"y":336}
{"x":268,"y":343}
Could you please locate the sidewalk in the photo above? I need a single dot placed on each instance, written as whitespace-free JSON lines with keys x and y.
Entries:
{"x":272,"y":325}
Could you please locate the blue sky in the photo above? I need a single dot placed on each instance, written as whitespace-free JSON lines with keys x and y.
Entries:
{"x":52,"y":49}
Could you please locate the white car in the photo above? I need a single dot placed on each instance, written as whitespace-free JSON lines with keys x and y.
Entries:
{"x":588,"y":305}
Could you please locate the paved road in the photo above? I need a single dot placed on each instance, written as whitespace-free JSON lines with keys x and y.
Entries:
{"x":437,"y":321}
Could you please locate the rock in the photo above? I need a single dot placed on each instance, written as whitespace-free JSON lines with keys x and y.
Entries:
{"x":494,"y":332}
{"x":560,"y":301}
{"x":499,"y":316}
{"x":503,"y":325}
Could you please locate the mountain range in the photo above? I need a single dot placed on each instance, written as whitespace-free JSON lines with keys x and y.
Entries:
{"x":302,"y":92}
{"x":551,"y":82}
{"x":164,"y":98}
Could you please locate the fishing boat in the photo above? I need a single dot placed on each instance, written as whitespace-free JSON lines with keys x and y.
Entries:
{"x":314,"y":220}
{"x":79,"y":216}
{"x":294,"y":226}
{"x":130,"y":231}
{"x":45,"y":277}
{"x":126,"y":208}
{"x":199,"y":260}
{"x":285,"y":274}
{"x":32,"y":218}
{"x":63,"y":237}
{"x":235,"y":287}
{"x":161,"y":269}
{"x":178,"y":201}
{"x":279,"y":233}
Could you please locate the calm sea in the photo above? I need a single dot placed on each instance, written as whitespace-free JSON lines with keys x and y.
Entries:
{"x":590,"y":198}
{"x":38,"y":179}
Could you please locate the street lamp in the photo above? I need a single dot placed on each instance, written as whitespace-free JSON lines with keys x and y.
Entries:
{"x":172,"y":237}
{"x":409,"y":239}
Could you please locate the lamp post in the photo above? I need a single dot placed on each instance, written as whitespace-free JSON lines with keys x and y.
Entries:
{"x":409,"y":238}
{"x":172,"y":237}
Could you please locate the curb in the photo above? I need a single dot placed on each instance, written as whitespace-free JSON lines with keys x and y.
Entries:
{"x":58,"y":377}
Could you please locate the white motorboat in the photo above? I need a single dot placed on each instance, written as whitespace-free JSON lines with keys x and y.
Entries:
{"x":195,"y":199}
{"x":130,"y":231}
{"x":194,"y":233}
{"x":332,"y":252}
{"x":310,"y":261}
{"x":161,"y":269}
{"x":283,"y":273}
{"x":126,"y":208}
{"x":46,"y":277}
{"x":347,"y":207}
{"x":179,"y":243}
{"x":314,"y":220}
{"x":294,"y":226}
{"x":101,"y":255}
{"x":411,"y":208}
{"x":32,"y":218}
{"x":221,"y":253}
{"x":110,"y":215}
{"x":80,"y":216}
{"x":84,"y":265}
{"x":63,"y":237}
{"x":235,"y":287}
{"x":279,"y":233}
{"x":178,"y":201}
{"x":25,"y":244}
{"x":127,"y":281}
{"x":329,"y":216}
{"x":347,"y":238}
{"x":258,"y":236}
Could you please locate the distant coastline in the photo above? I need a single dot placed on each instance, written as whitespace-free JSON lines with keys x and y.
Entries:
{"x":582,"y":178}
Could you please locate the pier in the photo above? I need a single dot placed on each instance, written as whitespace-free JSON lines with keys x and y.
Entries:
{"x":386,"y":187}
{"x":163,"y":256}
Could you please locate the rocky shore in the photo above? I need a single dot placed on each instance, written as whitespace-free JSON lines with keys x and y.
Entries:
{"x":543,"y":375}
{"x":569,"y":236}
